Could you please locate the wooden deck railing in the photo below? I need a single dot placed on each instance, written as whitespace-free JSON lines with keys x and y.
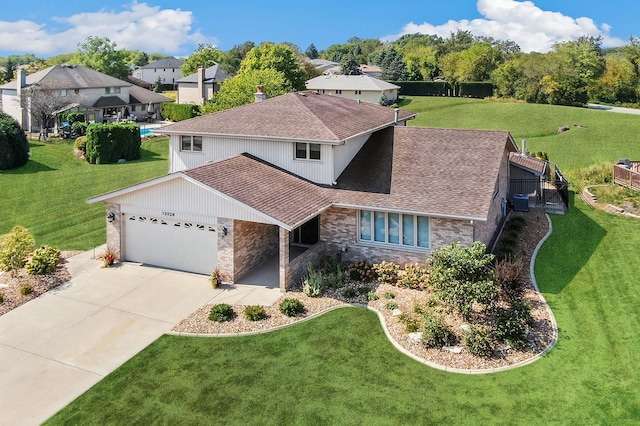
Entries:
{"x":625,"y":176}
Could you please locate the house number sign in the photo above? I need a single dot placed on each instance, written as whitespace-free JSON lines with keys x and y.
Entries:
{"x":169,"y":214}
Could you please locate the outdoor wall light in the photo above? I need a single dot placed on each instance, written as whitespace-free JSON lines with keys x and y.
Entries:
{"x":224,"y":231}
{"x":111,"y":217}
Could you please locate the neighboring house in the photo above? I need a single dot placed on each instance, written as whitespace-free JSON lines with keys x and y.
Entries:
{"x":140,"y":83}
{"x":99,"y":96}
{"x":371,"y":70}
{"x":325,"y":66}
{"x":362,"y":87}
{"x":166,"y":69}
{"x":200,"y":86}
{"x":302,"y":175}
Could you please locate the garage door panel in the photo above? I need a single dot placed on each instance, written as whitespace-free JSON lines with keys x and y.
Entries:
{"x":184,"y":246}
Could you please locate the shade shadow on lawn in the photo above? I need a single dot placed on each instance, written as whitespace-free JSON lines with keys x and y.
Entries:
{"x":574,"y":246}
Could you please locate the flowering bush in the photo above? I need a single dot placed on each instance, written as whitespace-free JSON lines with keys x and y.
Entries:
{"x":387,"y":272}
{"x":109,"y":257}
{"x":414,"y":276}
{"x":361,"y":271}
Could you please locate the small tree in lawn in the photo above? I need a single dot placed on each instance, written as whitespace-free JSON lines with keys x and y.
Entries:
{"x":14,"y":147}
{"x":462,"y":277}
{"x":43,"y":100}
{"x":15,"y":247}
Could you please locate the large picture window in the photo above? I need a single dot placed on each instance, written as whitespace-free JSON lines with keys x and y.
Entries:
{"x":394,"y":229}
{"x":191,"y":143}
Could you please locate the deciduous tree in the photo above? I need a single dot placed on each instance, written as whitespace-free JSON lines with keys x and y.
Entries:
{"x":278,"y":57}
{"x":204,"y":56}
{"x":100,"y":54}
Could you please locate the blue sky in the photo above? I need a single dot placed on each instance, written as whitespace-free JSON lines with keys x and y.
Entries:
{"x":47,"y":28}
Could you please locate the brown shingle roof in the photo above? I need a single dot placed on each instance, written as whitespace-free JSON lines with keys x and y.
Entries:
{"x":263,"y":187}
{"x":530,"y":163}
{"x":301,"y":116}
{"x":437,"y":171}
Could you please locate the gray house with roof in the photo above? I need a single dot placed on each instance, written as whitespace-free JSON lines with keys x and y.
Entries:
{"x":200,"y":86}
{"x":302,"y":175}
{"x":79,"y":89}
{"x":166,"y":70}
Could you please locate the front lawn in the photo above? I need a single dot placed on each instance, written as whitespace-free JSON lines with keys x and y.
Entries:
{"x":341,"y":369}
{"x":48,"y":195}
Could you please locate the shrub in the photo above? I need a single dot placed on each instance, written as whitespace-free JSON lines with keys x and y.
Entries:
{"x":333,"y":272}
{"x":391,"y":305}
{"x":387,"y":272}
{"x":178,"y":112}
{"x":14,"y":147}
{"x":313,"y":284}
{"x":389,"y":295}
{"x":349,"y":293}
{"x":79,"y":128}
{"x":410,"y":322}
{"x":108,"y":143}
{"x":216,"y":277}
{"x":291,"y":307}
{"x":43,"y":260}
{"x":512,"y":324}
{"x":26,"y":290}
{"x":478,"y":342}
{"x":413,"y":276}
{"x":371,"y":296}
{"x":462,"y":277}
{"x":109,"y":257}
{"x":361,"y":271}
{"x":15,"y":248}
{"x":221,"y":312}
{"x":509,"y":278}
{"x":363,"y":290}
{"x":255,"y":313}
{"x":81,"y":144}
{"x":1,"y":298}
{"x":435,"y":333}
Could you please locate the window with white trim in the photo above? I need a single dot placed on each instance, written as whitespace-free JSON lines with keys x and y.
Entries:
{"x":396,"y":229}
{"x":358,"y":92}
{"x":307,"y":151}
{"x":338,"y":92}
{"x":111,"y":90}
{"x":191,"y":143}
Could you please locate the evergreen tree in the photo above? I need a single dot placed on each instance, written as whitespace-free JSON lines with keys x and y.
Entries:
{"x":312,"y":52}
{"x":349,"y":65}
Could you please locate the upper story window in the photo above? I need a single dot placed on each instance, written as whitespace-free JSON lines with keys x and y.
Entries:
{"x":338,"y":92}
{"x":111,"y":90}
{"x":396,"y":229}
{"x":191,"y":143}
{"x":307,"y":151}
{"x":358,"y":92}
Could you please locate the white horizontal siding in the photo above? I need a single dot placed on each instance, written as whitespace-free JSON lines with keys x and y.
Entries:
{"x":179,"y":199}
{"x":343,"y":154}
{"x":279,"y":153}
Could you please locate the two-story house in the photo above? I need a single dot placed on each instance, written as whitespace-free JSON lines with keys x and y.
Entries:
{"x":80,"y":89}
{"x":200,"y":86}
{"x":165,"y":70}
{"x":302,"y":175}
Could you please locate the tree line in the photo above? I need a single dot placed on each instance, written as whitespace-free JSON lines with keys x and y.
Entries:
{"x":571,"y":73}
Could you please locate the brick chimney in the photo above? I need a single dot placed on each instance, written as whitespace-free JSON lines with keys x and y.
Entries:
{"x":260,"y":95}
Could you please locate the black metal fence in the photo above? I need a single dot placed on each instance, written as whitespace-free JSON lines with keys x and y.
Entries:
{"x":550,"y":192}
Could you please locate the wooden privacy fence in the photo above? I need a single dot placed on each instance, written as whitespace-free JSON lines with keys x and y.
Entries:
{"x":627,"y":173}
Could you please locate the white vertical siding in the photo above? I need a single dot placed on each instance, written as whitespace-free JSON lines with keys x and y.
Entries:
{"x":179,"y":199}
{"x":343,"y":154}
{"x":279,"y":153}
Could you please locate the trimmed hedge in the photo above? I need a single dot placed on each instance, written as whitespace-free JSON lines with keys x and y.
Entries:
{"x":178,"y":112}
{"x":14,"y":147}
{"x":475,"y":89}
{"x":108,"y":143}
{"x":423,"y":88}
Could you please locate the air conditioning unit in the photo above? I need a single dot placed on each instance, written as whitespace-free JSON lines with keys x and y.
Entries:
{"x":521,"y":202}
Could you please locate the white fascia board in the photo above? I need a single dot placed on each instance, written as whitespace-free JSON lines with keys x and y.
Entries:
{"x":136,"y":187}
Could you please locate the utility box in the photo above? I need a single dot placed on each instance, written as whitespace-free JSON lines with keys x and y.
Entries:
{"x":521,"y":202}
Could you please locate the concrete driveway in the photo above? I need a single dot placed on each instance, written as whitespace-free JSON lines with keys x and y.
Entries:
{"x":54,"y":348}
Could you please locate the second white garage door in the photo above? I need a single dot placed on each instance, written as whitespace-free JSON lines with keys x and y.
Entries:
{"x":184,"y":246}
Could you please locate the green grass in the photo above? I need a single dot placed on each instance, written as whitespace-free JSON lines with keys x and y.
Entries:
{"x":48,"y":195}
{"x":340,"y":369}
{"x":606,"y":136}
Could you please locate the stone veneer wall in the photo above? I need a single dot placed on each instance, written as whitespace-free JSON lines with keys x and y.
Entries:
{"x":225,"y":250}
{"x":486,"y":230}
{"x":114,"y":229}
{"x":254,"y":243}
{"x":338,"y":226}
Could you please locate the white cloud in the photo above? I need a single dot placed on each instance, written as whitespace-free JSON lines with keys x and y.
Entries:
{"x":139,"y":27}
{"x":525,"y":23}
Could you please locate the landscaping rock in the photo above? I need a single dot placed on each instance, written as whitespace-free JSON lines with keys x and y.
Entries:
{"x":397,"y":312}
{"x":465,"y":327}
{"x":563,"y":129}
{"x":416,"y":337}
{"x":453,"y":349}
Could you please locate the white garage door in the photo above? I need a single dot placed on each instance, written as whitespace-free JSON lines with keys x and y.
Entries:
{"x":185,"y":246}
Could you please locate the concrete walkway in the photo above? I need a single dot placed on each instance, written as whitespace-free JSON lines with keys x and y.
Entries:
{"x":620,"y":110}
{"x":54,"y":348}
